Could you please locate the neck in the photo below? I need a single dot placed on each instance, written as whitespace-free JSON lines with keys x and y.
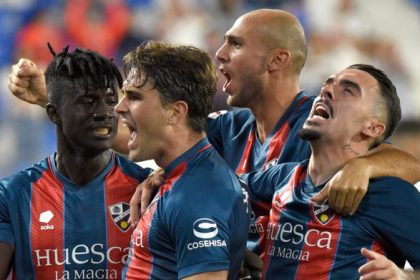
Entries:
{"x":178,"y":143}
{"x":326,"y":160}
{"x":80,"y":169}
{"x":272,"y":105}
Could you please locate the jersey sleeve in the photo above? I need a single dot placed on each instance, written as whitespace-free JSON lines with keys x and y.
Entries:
{"x":6,"y":231}
{"x":262,"y":185}
{"x":215,"y":130}
{"x":392,"y":207}
{"x":201,"y":228}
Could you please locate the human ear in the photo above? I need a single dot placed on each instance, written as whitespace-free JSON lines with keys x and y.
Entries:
{"x":278,"y":59}
{"x":178,"y":112}
{"x":52,"y":113}
{"x":373,"y":129}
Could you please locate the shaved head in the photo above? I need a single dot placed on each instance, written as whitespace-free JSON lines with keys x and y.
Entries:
{"x":278,"y":30}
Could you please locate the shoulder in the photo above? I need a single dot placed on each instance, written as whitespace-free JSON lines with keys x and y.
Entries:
{"x":392,"y":190}
{"x":24,"y":178}
{"x":210,"y":174}
{"x":231,"y":117}
{"x":131,"y":168}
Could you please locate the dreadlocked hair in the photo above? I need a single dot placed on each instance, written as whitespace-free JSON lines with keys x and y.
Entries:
{"x":93,"y":68}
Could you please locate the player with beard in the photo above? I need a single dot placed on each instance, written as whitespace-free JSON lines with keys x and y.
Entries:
{"x":356,"y":110}
{"x":67,"y":216}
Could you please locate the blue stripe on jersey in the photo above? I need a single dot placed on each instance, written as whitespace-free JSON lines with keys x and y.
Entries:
{"x":91,"y":228}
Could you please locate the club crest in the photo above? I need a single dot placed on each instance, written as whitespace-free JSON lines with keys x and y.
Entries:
{"x":322,"y":213}
{"x":120,"y":212}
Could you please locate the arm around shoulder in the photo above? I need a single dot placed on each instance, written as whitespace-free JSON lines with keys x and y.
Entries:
{"x":386,"y":160}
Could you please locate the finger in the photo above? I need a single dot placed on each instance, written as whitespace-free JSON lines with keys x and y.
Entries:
{"x":370,"y":255}
{"x":15,"y":90}
{"x":146,"y":198}
{"x":357,"y":200}
{"x":20,"y":82}
{"x":381,"y":274}
{"x":321,"y":196}
{"x":348,"y":202}
{"x":26,"y":68}
{"x":338,"y":203}
{"x":134,"y":207}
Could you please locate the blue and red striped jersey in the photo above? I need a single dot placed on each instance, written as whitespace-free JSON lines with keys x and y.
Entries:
{"x":65,"y":231}
{"x":310,"y":241}
{"x":196,"y":223}
{"x":233,"y":134}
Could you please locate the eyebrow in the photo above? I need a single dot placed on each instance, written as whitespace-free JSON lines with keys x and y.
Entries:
{"x":129,"y":92}
{"x":348,"y":83}
{"x":230,"y":37}
{"x":345,"y":83}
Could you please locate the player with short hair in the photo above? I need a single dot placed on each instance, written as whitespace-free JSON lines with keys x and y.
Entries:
{"x":196,"y":226}
{"x":356,"y":110}
{"x":262,"y":58}
{"x":66,"y":216}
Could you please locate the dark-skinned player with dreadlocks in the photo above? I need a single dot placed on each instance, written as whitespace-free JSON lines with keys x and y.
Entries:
{"x":66,"y":216}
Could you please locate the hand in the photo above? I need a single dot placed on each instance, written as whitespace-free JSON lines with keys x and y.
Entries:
{"x":380,"y":267}
{"x":347,"y":188}
{"x":27,"y":82}
{"x":143,"y":195}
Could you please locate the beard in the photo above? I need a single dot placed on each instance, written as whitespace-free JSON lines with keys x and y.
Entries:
{"x":309,"y":134}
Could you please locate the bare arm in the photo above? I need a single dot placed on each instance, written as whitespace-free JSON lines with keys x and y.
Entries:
{"x":209,"y":275}
{"x":6,"y":255}
{"x":27,"y":82}
{"x":380,"y":267}
{"x":347,"y":188}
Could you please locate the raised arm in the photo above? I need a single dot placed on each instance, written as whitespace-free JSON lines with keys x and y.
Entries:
{"x":27,"y":82}
{"x":347,"y":188}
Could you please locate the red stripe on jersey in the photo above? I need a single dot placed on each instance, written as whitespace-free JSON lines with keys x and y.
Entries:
{"x":377,"y":247}
{"x":141,"y":264}
{"x":118,"y":189}
{"x":46,"y":230}
{"x":276,"y":144}
{"x":243,"y":166}
{"x":277,"y":206}
{"x":320,"y":245}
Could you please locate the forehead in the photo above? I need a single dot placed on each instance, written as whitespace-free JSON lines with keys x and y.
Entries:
{"x":82,"y":86}
{"x":243,"y":26}
{"x":366,"y":81}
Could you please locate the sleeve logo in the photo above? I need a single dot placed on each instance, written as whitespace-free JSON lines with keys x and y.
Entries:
{"x":205,"y":228}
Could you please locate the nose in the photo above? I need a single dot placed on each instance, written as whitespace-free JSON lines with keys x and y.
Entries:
{"x":103,"y":111}
{"x":121,"y":107}
{"x":221,"y":53}
{"x":327,"y":92}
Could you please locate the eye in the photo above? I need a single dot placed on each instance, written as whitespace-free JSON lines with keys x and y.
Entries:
{"x":348,"y":90}
{"x":112,"y":100}
{"x":86,"y":100}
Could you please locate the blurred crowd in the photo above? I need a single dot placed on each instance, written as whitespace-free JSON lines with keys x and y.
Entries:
{"x":385,"y":33}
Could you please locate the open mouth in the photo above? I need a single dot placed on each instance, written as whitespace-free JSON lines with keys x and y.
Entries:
{"x":227,"y":77}
{"x":133,"y":136}
{"x":322,"y":112}
{"x":102,"y":131}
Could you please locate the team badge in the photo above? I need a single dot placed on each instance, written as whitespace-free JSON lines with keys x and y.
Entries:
{"x":322,"y":213}
{"x":120,"y":212}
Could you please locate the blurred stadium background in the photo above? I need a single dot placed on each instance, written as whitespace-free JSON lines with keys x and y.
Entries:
{"x":385,"y":33}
